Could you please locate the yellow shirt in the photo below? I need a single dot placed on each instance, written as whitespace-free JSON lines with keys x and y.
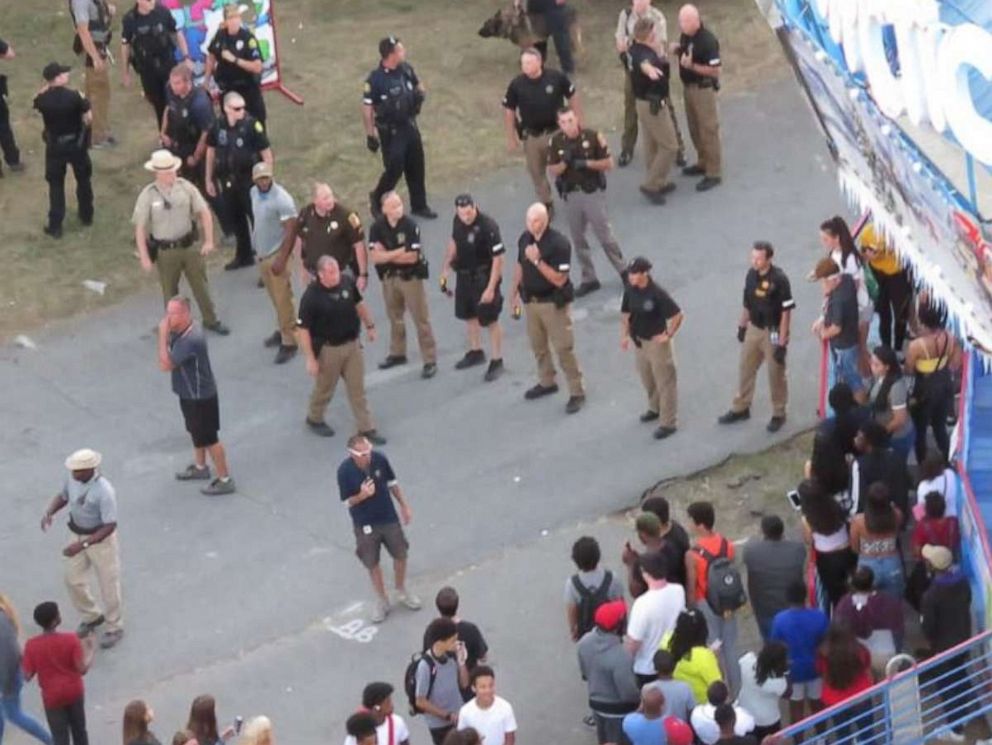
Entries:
{"x":883,"y":258}
{"x":699,"y":668}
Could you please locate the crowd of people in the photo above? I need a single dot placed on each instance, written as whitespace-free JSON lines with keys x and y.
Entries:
{"x":664,"y":668}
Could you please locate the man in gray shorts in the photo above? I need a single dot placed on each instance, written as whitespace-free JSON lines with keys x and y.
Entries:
{"x":368,"y":486}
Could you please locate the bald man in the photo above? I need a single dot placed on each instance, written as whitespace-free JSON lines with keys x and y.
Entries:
{"x":541,"y":281}
{"x":698,"y":53}
{"x":646,"y":726}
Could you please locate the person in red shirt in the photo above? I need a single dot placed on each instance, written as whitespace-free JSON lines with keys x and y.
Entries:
{"x":935,"y":527}
{"x":845,"y":668}
{"x":59,"y":660}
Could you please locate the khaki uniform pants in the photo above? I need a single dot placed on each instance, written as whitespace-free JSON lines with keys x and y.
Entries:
{"x":104,"y":559}
{"x":629,"y":138}
{"x":661,"y":146}
{"x":704,"y":127}
{"x":585,"y":210}
{"x":343,"y":361}
{"x":656,"y":365}
{"x":172,"y":264}
{"x":757,"y":348}
{"x":280,"y":289}
{"x":408,"y":294}
{"x":549,"y":326}
{"x":97,"y":86}
{"x":536,"y":153}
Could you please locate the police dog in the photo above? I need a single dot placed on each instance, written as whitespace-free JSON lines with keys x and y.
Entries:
{"x":525,"y":29}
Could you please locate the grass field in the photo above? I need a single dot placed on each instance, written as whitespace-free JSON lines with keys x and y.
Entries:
{"x":327,"y":48}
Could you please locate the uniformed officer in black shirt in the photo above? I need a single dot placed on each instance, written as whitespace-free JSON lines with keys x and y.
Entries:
{"x":67,"y":117}
{"x":530,"y":114}
{"x":235,"y":144}
{"x":540,"y":279}
{"x":394,"y":247}
{"x":475,"y":251}
{"x":649,"y":78}
{"x":332,"y":312}
{"x":390,"y":105}
{"x":579,"y":158}
{"x":8,"y":144}
{"x":698,"y":52}
{"x":234,"y":62}
{"x":763,"y":329}
{"x":149,"y":40}
{"x":650,"y":318}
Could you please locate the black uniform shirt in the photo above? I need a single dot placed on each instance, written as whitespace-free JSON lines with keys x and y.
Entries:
{"x":150,"y":37}
{"x":405,"y":235}
{"x":62,"y":110}
{"x":703,"y":49}
{"x":334,"y":234}
{"x":242,"y":45}
{"x":188,"y":118}
{"x":330,"y":314}
{"x":644,"y":86}
{"x":392,"y":94}
{"x":239,"y":147}
{"x":537,"y":100}
{"x":766,"y":296}
{"x":650,"y":309}
{"x":556,"y":252}
{"x":589,"y":145}
{"x":477,"y":244}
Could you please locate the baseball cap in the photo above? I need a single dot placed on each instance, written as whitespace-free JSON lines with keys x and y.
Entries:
{"x":940,"y":557}
{"x":825,"y":267}
{"x":53,"y":70}
{"x":464,"y":200}
{"x":638,"y":265}
{"x":261,"y":170}
{"x":387,"y":45}
{"x":608,"y":616}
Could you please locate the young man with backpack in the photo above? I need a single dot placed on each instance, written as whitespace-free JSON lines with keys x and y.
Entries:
{"x":589,"y":588}
{"x":653,"y":615}
{"x":435,"y":679}
{"x":715,"y":587}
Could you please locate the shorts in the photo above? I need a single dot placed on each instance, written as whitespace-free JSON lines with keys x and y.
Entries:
{"x":846,"y":368}
{"x":609,"y":730}
{"x":468,"y":291}
{"x":808,"y":690}
{"x":367,"y":546}
{"x":202,"y":417}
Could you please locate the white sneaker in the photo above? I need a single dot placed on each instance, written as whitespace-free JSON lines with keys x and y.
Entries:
{"x":952,"y":736}
{"x":410,"y":600}
{"x":379,"y":611}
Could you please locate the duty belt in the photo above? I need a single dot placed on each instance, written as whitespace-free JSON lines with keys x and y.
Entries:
{"x":529,"y":132}
{"x":704,"y":84}
{"x":185,"y":242}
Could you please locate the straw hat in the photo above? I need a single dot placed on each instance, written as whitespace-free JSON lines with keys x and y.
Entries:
{"x":163,"y":160}
{"x":83,"y":460}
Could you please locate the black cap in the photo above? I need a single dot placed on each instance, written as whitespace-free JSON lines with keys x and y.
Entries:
{"x":387,"y":45}
{"x":638,"y":265}
{"x":464,"y":200}
{"x":53,"y":70}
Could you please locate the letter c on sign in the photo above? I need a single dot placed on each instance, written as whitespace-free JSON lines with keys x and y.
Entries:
{"x":886,"y":89}
{"x":965,"y":47}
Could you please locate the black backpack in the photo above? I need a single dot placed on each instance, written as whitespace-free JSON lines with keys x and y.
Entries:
{"x":724,"y":588}
{"x":590,"y":600}
{"x":410,"y":679}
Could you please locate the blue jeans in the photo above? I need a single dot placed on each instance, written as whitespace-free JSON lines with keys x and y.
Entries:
{"x":902,"y":445}
{"x":888,"y":573}
{"x":10,"y":710}
{"x":846,"y":368}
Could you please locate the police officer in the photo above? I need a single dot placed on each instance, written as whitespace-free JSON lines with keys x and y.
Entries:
{"x":763,"y":329}
{"x":540,"y":279}
{"x":236,"y":142}
{"x":234,"y":62}
{"x":92,"y":20}
{"x":332,"y":312}
{"x":579,"y":159}
{"x":554,"y":15}
{"x":164,"y":221}
{"x":149,"y":39}
{"x":475,"y":251}
{"x":390,"y":105}
{"x":67,"y":118}
{"x":186,"y":122}
{"x":8,"y":144}
{"x":394,"y":243}
{"x":650,"y":318}
{"x":650,"y":80}
{"x":530,"y":108}
{"x":325,"y":227}
{"x":698,"y":53}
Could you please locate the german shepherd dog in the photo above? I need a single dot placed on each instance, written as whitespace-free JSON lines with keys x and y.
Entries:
{"x":524,"y":29}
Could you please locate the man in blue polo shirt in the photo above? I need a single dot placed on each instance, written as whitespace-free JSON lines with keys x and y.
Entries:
{"x":368,"y":486}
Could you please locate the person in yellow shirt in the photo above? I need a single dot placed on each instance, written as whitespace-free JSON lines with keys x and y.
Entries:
{"x":895,"y":289}
{"x":695,"y":663}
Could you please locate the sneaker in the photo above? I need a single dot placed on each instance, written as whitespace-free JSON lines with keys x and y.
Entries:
{"x":494,"y":371}
{"x":374,"y":437}
{"x":709,"y":182}
{"x":662,"y":432}
{"x":218,"y":328}
{"x":409,"y":600}
{"x":775,"y":423}
{"x":273,"y":341}
{"x":696,"y":170}
{"x":219,"y":487}
{"x":111,"y":638}
{"x":649,"y":416}
{"x":587,"y":287}
{"x":734,"y":416}
{"x":574,"y":404}
{"x":86,"y":627}
{"x":194,"y":472}
{"x":539,"y":391}
{"x":429,"y":370}
{"x":379,"y":611}
{"x":425,"y":212}
{"x":285,"y":354}
{"x":392,"y":361}
{"x":472,"y":358}
{"x":624,"y":159}
{"x":320,"y":428}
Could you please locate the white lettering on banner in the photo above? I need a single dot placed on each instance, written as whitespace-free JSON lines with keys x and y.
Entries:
{"x":935,"y":62}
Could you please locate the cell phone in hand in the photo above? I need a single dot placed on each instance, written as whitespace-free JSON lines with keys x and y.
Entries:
{"x":793,"y":497}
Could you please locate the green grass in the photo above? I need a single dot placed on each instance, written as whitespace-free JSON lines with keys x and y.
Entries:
{"x":327,"y":48}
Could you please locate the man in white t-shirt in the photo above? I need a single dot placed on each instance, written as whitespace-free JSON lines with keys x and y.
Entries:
{"x":703,"y":719}
{"x":390,"y":729}
{"x":488,"y":714}
{"x":653,"y":615}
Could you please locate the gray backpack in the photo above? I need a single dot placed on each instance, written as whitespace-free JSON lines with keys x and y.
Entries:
{"x":724,"y":587}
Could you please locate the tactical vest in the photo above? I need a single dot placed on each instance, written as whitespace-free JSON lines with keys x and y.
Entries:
{"x":182,"y":129}
{"x":235,"y":158}
{"x":99,"y":27}
{"x":401,"y":102}
{"x":152,"y":48}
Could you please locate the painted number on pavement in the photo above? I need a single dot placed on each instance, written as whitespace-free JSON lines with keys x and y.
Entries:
{"x":355,"y":631}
